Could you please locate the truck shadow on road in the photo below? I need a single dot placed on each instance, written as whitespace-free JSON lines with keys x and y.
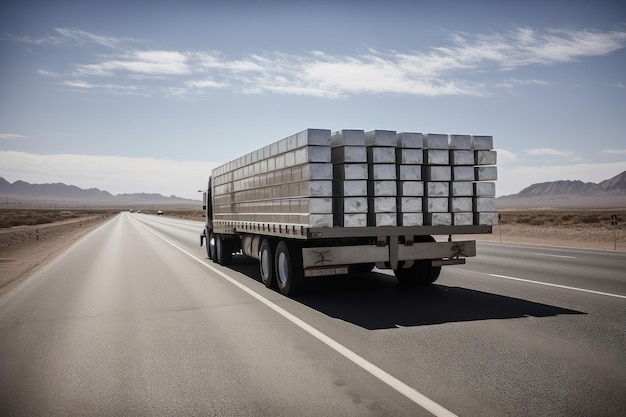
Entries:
{"x":376,"y":301}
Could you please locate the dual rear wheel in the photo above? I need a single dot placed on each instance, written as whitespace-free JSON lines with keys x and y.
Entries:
{"x":281,"y":266}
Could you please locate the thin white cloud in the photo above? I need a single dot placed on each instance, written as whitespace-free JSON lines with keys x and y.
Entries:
{"x":117,"y":175}
{"x":550,"y":152}
{"x":438,"y":71}
{"x":614,"y":151}
{"x":505,"y":157}
{"x":11,"y":136}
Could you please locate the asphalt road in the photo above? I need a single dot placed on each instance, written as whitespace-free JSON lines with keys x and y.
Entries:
{"x":134,"y":320}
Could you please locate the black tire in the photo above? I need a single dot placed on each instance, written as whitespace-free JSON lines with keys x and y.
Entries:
{"x":421,"y":272}
{"x":266,"y":264}
{"x":223,"y":249}
{"x":208,"y":245}
{"x":288,"y":268}
{"x":211,"y":249}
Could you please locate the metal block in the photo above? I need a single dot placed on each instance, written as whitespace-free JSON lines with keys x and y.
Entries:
{"x":461,"y":189}
{"x":321,"y":171}
{"x":486,"y":157}
{"x":353,"y":220}
{"x":349,"y":154}
{"x":350,"y":171}
{"x":410,"y":172}
{"x":321,"y":220}
{"x":385,"y":219}
{"x":461,"y":204}
{"x":348,"y":137}
{"x":382,"y":188}
{"x":353,"y":205}
{"x":460,"y":142}
{"x":463,"y":219}
{"x":410,"y":156}
{"x":462,"y":173}
{"x":383,"y":204}
{"x":482,"y":142}
{"x":436,"y":157}
{"x":438,"y":219}
{"x":485,"y":189}
{"x":382,"y":171}
{"x":489,"y":219}
{"x":381,"y":155}
{"x":410,"y":140}
{"x":411,"y":205}
{"x":437,"y":189}
{"x":484,"y":204}
{"x":350,"y":188}
{"x":462,"y":157}
{"x":437,"y":173}
{"x":410,"y":188}
{"x":412,"y":219}
{"x":316,"y":189}
{"x":318,"y":205}
{"x":381,"y":138}
{"x":436,"y":205}
{"x":486,"y":173}
{"x":309,"y":154}
{"x":435,"y":141}
{"x":319,"y":137}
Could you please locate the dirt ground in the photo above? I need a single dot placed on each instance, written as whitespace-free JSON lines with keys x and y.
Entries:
{"x":22,"y":253}
{"x":24,"y":249}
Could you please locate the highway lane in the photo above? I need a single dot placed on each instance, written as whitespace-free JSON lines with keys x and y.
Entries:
{"x":135,"y":326}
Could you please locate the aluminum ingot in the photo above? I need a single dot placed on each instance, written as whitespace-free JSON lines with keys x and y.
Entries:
{"x":463,"y":219}
{"x":381,"y":155}
{"x":316,"y":189}
{"x":384,"y":204}
{"x":460,"y":142}
{"x":382,"y":171}
{"x":463,"y":173}
{"x":482,"y":142}
{"x":305,"y":155}
{"x":436,"y":157}
{"x":348,"y":137}
{"x":319,"y":205}
{"x":350,"y":188}
{"x":315,"y":171}
{"x":349,"y":154}
{"x":320,"y":220}
{"x":354,"y":204}
{"x":437,"y":189}
{"x":410,"y":140}
{"x":382,"y":188}
{"x":350,"y":171}
{"x":412,"y":219}
{"x":486,"y":173}
{"x":438,"y":219}
{"x":435,"y":141}
{"x":411,"y":189}
{"x":461,"y":189}
{"x":436,"y":205}
{"x":412,"y":205}
{"x":485,"y":189}
{"x":410,"y":172}
{"x":437,"y":173}
{"x":486,"y":157}
{"x":489,"y":219}
{"x":462,"y":157}
{"x":380,"y":138}
{"x":461,"y":204}
{"x":484,"y":204}
{"x":385,"y":219}
{"x":410,"y":156}
{"x":353,"y":220}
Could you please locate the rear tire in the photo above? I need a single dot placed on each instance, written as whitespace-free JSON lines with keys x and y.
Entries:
{"x":210,"y":247}
{"x":223,"y":250}
{"x":421,"y":272}
{"x":288,"y":268}
{"x":266,"y":264}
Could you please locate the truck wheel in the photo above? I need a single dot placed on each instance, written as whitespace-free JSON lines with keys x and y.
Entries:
{"x":223,"y":250}
{"x":421,"y":273}
{"x":288,"y":267}
{"x":266,"y":264}
{"x":210,"y":247}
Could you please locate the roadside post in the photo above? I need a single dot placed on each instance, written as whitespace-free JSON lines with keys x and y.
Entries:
{"x":500,"y":225}
{"x":614,"y":225}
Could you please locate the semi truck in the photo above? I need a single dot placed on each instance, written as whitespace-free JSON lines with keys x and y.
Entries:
{"x":321,"y":203}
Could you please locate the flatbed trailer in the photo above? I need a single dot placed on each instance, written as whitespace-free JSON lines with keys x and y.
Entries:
{"x":298,"y":208}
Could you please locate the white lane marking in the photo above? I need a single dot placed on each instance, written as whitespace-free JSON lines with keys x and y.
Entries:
{"x":401,"y":387}
{"x":553,"y":256}
{"x":558,"y":286}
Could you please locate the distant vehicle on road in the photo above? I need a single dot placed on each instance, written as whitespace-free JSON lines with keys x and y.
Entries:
{"x":160,"y":213}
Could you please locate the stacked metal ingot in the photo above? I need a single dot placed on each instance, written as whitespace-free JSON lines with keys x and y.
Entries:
{"x":409,"y":160}
{"x":485,"y":171}
{"x":349,"y":158}
{"x":382,"y":186}
{"x":287,"y":182}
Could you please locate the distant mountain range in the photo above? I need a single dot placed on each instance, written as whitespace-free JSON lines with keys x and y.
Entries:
{"x":565,"y":194}
{"x":24,"y":194}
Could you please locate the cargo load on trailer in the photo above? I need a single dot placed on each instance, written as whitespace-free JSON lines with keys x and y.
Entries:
{"x":321,"y":203}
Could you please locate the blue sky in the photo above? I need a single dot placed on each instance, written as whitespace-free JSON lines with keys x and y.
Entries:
{"x":138,"y":96}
